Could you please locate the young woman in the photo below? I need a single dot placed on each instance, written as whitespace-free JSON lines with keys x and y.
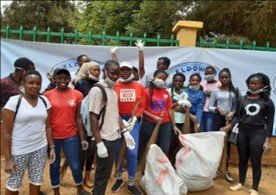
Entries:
{"x":131,"y":103}
{"x":180,"y":101}
{"x":66,"y":123}
{"x":223,"y":103}
{"x":208,"y":118}
{"x":27,"y":132}
{"x":87,"y":76}
{"x":255,"y":117}
{"x":158,"y":110}
{"x":197,"y":99}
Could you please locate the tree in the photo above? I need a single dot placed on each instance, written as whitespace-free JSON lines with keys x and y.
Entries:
{"x":157,"y":17}
{"x":254,"y":20}
{"x":40,"y":13}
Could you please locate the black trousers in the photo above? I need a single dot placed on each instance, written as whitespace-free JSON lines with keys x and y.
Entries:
{"x":104,"y":168}
{"x":87,"y":156}
{"x":250,"y":146}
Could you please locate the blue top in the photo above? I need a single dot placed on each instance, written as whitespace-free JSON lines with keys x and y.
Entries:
{"x":197,"y":99}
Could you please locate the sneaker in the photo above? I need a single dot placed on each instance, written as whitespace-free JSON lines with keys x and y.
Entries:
{"x":118,"y":184}
{"x":133,"y":190}
{"x":236,"y":187}
{"x":253,"y":192}
{"x":228,"y":177}
{"x":83,"y":192}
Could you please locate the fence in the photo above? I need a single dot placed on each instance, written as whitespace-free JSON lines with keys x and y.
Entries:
{"x":84,"y":38}
{"x":104,"y":39}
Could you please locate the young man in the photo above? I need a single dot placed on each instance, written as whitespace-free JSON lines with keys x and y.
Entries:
{"x":106,"y":137}
{"x":11,"y":84}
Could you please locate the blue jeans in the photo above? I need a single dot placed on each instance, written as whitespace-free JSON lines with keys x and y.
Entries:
{"x":163,"y":138}
{"x":70,"y":147}
{"x":132,"y":154}
{"x":207,"y":122}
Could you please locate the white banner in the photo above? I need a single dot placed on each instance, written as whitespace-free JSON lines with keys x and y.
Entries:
{"x":187,"y":60}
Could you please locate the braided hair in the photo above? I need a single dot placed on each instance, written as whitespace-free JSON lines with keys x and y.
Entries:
{"x":264,"y":79}
{"x":151,"y":86}
{"x":174,"y":76}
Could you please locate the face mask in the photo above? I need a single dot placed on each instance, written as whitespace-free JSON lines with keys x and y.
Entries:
{"x":209,"y":77}
{"x":194,"y":87}
{"x":93,"y":77}
{"x":128,"y":79}
{"x":257,"y":91}
{"x":159,"y":83}
{"x":110,"y":82}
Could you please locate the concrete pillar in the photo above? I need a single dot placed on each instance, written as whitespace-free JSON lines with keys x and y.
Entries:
{"x":186,"y":32}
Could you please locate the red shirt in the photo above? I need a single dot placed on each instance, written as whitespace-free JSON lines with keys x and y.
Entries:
{"x":161,"y":101}
{"x":130,"y":94}
{"x":63,"y":112}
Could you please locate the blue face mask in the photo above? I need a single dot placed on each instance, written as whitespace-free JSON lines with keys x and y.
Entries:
{"x":194,"y":87}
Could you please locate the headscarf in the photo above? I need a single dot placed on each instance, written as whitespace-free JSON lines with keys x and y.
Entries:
{"x":84,"y":69}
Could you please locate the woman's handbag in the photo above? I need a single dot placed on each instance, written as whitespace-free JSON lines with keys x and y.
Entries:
{"x":233,"y":138}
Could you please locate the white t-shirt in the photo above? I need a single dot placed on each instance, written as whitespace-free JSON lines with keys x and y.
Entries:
{"x":28,"y":132}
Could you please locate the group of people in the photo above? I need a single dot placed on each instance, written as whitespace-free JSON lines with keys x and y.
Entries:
{"x":124,"y":107}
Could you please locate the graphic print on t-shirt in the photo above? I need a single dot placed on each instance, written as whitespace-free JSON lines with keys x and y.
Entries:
{"x":72,"y":103}
{"x":127,"y":95}
{"x":252,"y":109}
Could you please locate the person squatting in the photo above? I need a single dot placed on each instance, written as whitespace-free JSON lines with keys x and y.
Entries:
{"x":112,"y":116}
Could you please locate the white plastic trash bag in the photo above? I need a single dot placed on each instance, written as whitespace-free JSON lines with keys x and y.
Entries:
{"x":160,"y":177}
{"x":198,"y":160}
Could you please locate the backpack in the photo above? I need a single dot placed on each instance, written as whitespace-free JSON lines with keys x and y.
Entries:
{"x":85,"y":115}
{"x":19,"y":102}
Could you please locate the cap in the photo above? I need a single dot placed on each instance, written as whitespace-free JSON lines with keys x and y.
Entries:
{"x":23,"y":63}
{"x":58,"y":71}
{"x":126,"y":64}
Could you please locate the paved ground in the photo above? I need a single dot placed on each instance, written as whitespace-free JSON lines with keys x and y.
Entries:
{"x":220,"y":187}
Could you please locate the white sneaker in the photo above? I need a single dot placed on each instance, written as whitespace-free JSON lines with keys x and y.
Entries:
{"x":253,"y":192}
{"x":236,"y":187}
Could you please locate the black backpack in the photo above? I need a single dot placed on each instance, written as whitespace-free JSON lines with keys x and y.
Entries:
{"x":19,"y":102}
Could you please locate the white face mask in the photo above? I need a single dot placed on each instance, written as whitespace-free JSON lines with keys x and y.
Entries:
{"x":159,"y":83}
{"x":109,"y":82}
{"x":194,"y":87}
{"x":93,"y":77}
{"x":128,"y":79}
{"x":209,"y":77}
{"x":257,"y":91}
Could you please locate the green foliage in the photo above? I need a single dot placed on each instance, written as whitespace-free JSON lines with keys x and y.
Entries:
{"x":254,"y":20}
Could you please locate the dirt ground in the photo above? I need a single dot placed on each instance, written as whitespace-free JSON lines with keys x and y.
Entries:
{"x":220,"y":187}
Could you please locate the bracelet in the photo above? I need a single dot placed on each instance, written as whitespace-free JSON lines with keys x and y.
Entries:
{"x":52,"y":146}
{"x":173,"y":124}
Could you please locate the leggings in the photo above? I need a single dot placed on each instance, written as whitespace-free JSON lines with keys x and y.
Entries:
{"x":250,"y":146}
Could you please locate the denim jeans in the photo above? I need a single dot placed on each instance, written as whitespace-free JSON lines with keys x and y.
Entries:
{"x":70,"y":147}
{"x":132,"y":154}
{"x":208,"y":122}
{"x":104,"y":168}
{"x":163,"y":138}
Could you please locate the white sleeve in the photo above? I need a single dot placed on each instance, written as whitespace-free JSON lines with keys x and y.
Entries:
{"x":48,"y":104}
{"x":11,"y":103}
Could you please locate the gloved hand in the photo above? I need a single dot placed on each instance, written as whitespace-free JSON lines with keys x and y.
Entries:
{"x":52,"y":155}
{"x":131,"y":123}
{"x":266,"y":146}
{"x":129,"y":140}
{"x":140,"y":44}
{"x":84,"y":145}
{"x":184,"y":103}
{"x":176,"y":130}
{"x":113,"y":50}
{"x":101,"y":150}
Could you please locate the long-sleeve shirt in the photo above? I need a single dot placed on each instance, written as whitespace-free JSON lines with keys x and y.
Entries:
{"x":257,"y":113}
{"x":197,"y":99}
{"x":224,"y":100}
